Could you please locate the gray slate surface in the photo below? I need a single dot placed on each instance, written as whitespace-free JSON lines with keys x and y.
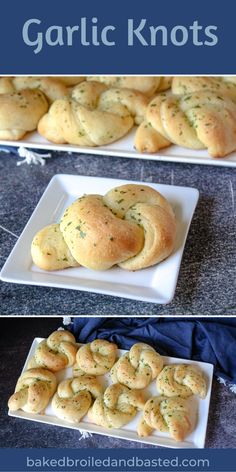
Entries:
{"x":206,"y":284}
{"x":15,"y":432}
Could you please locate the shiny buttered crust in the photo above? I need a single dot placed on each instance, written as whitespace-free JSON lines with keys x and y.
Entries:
{"x":74,"y":397}
{"x":95,"y":358}
{"x":138,"y":368}
{"x":97,"y":238}
{"x":146,"y":85}
{"x":163,"y":414}
{"x":20,"y":112}
{"x":200,"y":120}
{"x":182,"y":380}
{"x":116,"y":407}
{"x":132,"y":226}
{"x":57,"y":352}
{"x":33,"y":391}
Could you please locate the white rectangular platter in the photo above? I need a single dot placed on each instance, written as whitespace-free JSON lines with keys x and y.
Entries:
{"x":199,"y":411}
{"x":125,"y":148}
{"x":156,"y":284}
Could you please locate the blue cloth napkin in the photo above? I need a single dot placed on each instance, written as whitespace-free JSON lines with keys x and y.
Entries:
{"x":207,"y":340}
{"x":11,"y":149}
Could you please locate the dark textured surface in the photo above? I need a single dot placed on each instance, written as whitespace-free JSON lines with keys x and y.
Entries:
{"x":15,"y":432}
{"x":207,"y":275}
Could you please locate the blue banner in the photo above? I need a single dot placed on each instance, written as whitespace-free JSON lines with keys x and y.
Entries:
{"x":120,"y":460}
{"x":107,"y":37}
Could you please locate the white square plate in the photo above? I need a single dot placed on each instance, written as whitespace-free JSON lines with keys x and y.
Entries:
{"x":199,"y":411}
{"x":156,"y":284}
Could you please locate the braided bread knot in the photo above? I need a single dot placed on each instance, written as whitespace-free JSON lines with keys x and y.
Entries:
{"x":182,"y":380}
{"x":170,"y":415}
{"x":201,"y":120}
{"x":95,"y":358}
{"x":138,"y":367}
{"x":33,"y":391}
{"x":93,"y":115}
{"x":132,"y":226}
{"x":57,"y":352}
{"x":74,"y":396}
{"x":116,"y":407}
